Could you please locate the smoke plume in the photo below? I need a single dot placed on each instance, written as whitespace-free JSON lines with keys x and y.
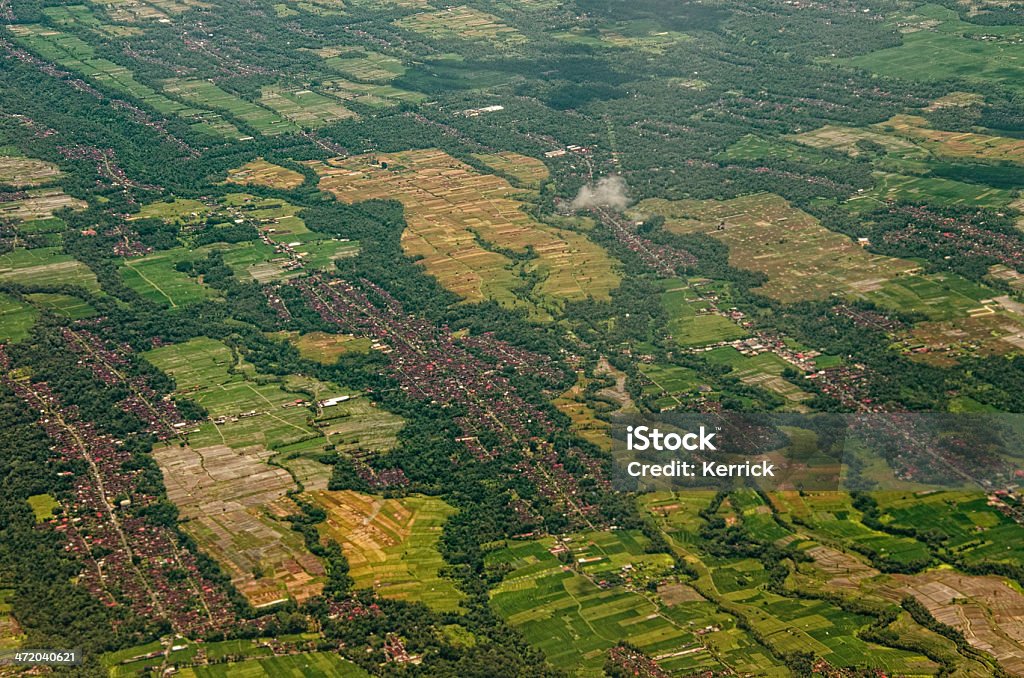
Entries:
{"x":609,"y":191}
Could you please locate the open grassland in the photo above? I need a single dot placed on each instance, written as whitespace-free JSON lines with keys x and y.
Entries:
{"x":802,"y":259}
{"x":937,"y":45}
{"x":16,"y":319}
{"x":391,"y":544}
{"x":175,"y":210}
{"x":232,"y":503}
{"x":574,"y":619}
{"x":205,"y":93}
{"x":155,"y":277}
{"x":23,"y":172}
{"x":259,"y":172}
{"x":304,"y":107}
{"x":464,"y":224}
{"x":462,"y":23}
{"x":308,"y":665}
{"x":39,"y":203}
{"x":46,"y":266}
{"x":526,"y":171}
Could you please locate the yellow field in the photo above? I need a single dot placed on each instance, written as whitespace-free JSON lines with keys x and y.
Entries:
{"x":528,"y":172}
{"x":460,"y":221}
{"x":259,"y":172}
{"x":39,"y":204}
{"x":463,"y":23}
{"x":391,"y":544}
{"x":802,"y":259}
{"x":21,"y":172}
{"x":957,"y":144}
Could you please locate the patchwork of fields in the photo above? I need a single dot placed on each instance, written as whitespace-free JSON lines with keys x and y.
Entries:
{"x":466,"y":227}
{"x":764,"y":233}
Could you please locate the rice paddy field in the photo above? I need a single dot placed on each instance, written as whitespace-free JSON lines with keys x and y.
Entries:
{"x":205,"y":93}
{"x":257,"y":410}
{"x":764,"y":233}
{"x":785,"y":622}
{"x":937,"y":45}
{"x":669,"y":385}
{"x":308,"y":665}
{"x":46,"y":266}
{"x":892,"y":186}
{"x":391,"y":544}
{"x":232,"y":502}
{"x":73,"y":53}
{"x":691,"y":324}
{"x":526,"y":171}
{"x":66,"y":305}
{"x":574,"y":619}
{"x":462,"y":22}
{"x":362,"y":65}
{"x":39,"y":203}
{"x":974,"y":529}
{"x":155,"y":278}
{"x":259,"y":172}
{"x":22,"y":172}
{"x":459,"y":220}
{"x":11,"y":635}
{"x":958,"y":145}
{"x":764,"y":370}
{"x":16,"y":319}
{"x":304,"y":107}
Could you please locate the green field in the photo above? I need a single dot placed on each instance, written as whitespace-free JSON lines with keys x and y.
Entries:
{"x":46,"y":266}
{"x":201,"y":367}
{"x":66,"y":305}
{"x":72,"y":52}
{"x":574,"y":619}
{"x":16,"y":319}
{"x":937,"y":45}
{"x":206,"y":93}
{"x":690,"y":327}
{"x":305,"y":108}
{"x":891,"y":186}
{"x":42,"y":506}
{"x":155,"y":278}
{"x":364,"y":65}
{"x":939,"y":296}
